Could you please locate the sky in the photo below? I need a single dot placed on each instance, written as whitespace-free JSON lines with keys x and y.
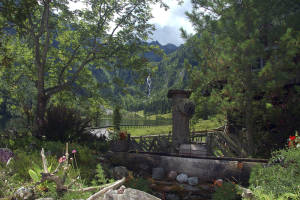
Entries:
{"x":167,"y":23}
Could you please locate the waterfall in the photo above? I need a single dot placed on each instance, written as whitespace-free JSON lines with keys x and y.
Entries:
{"x":149,"y":84}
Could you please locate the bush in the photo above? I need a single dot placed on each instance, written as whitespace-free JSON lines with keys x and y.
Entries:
{"x":117,"y":117}
{"x":280,"y":179}
{"x":139,"y":184}
{"x":64,"y":124}
{"x":22,"y":162}
{"x":227,"y":191}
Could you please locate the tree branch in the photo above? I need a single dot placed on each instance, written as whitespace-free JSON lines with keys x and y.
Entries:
{"x":122,"y":20}
{"x":52,"y":90}
{"x":46,"y":26}
{"x":67,"y":64}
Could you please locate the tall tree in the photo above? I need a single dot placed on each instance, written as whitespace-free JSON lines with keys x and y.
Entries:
{"x":239,"y":42}
{"x":63,"y":45}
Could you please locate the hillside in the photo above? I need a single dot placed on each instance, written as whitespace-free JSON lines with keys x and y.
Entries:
{"x":130,"y":90}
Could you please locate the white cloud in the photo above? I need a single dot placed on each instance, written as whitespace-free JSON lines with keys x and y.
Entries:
{"x":169,"y":22}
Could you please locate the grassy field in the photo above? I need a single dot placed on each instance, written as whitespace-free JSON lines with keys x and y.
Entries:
{"x":213,"y":122}
{"x":153,"y":130}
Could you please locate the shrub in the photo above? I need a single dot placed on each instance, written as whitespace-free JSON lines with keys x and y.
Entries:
{"x":227,"y":191}
{"x":23,"y":162}
{"x":280,"y":179}
{"x":139,"y":184}
{"x":64,"y":124}
{"x":117,"y":118}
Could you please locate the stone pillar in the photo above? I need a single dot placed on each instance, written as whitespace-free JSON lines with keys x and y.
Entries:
{"x":182,"y":110}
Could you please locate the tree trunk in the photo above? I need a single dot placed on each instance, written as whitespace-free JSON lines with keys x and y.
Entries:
{"x":40,"y":113}
{"x":42,"y":100}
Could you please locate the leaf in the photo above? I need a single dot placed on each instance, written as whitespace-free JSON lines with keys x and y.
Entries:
{"x":49,"y":168}
{"x":33,"y":175}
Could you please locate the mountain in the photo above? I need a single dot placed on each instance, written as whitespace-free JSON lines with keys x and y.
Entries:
{"x":168,"y":49}
{"x":171,"y":73}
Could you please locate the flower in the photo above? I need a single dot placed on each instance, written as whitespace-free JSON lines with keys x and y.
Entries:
{"x":62,"y":159}
{"x":74,"y":151}
{"x":292,"y":138}
{"x":294,"y":141}
{"x":123,"y":135}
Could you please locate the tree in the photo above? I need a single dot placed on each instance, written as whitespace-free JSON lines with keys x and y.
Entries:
{"x":117,"y":118}
{"x":62,"y":45}
{"x":239,"y":42}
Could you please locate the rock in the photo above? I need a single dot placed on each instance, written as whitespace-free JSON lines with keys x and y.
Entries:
{"x":48,"y":198}
{"x":171,"y":196}
{"x":172,"y":175}
{"x":23,"y":193}
{"x":5,"y":155}
{"x":248,"y":194}
{"x":158,"y":173}
{"x":128,"y":194}
{"x":182,"y":178}
{"x":193,"y":180}
{"x":121,"y":189}
{"x":119,"y":172}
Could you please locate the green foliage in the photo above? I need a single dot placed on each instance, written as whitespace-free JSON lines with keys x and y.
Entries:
{"x":64,"y":124}
{"x":280,"y":179}
{"x":100,"y":176}
{"x":139,"y":184}
{"x":227,"y":191}
{"x":117,"y":117}
{"x":69,"y":47}
{"x":35,"y":177}
{"x":247,"y":63}
{"x":23,"y":162}
{"x":86,"y":161}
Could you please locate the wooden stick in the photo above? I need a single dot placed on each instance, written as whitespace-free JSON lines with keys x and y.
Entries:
{"x":44,"y":160}
{"x":101,"y":192}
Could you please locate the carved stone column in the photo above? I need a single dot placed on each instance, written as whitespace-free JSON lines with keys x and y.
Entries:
{"x":182,"y":111}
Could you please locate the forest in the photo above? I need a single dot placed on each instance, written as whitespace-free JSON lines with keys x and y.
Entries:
{"x":61,"y":70}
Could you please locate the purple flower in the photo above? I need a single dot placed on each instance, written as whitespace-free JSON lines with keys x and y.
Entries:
{"x":74,"y":151}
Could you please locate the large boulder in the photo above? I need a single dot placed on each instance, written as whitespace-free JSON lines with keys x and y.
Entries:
{"x":119,"y":172}
{"x":128,"y":194}
{"x":5,"y":155}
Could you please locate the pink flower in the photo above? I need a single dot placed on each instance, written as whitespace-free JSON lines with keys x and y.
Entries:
{"x":74,"y":151}
{"x":62,"y":159}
